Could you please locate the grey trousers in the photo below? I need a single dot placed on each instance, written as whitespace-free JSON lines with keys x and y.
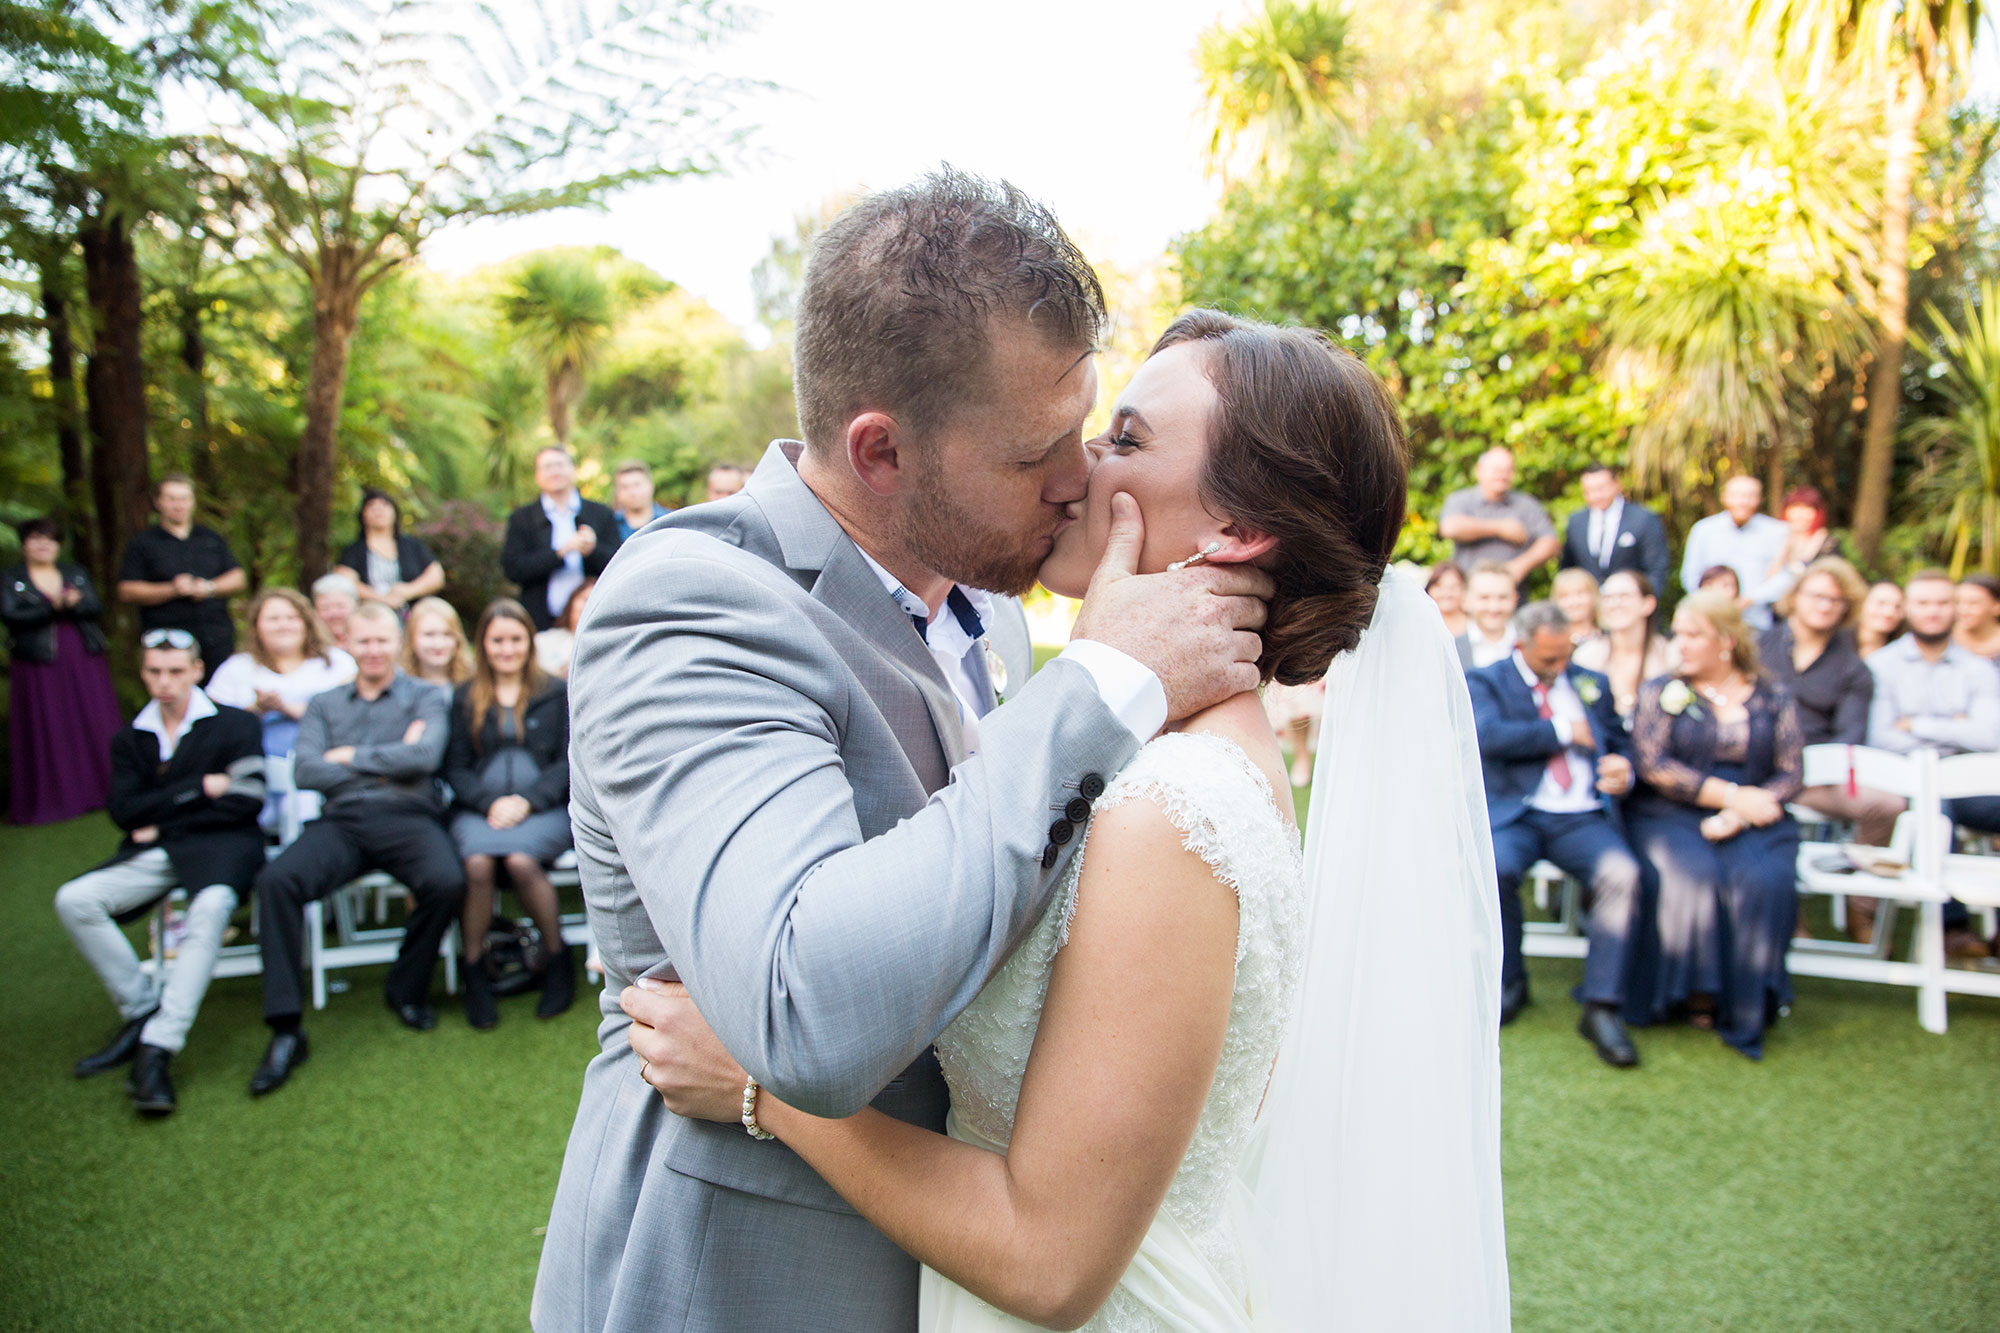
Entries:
{"x":88,"y":905}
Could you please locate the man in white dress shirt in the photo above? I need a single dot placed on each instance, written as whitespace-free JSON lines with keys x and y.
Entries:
{"x":1745,"y":539}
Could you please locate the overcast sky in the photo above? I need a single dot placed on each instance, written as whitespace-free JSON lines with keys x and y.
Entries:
{"x":1090,"y":105}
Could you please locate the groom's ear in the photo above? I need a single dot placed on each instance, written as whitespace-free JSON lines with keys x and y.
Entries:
{"x":1243,"y":545}
{"x":877,"y":452}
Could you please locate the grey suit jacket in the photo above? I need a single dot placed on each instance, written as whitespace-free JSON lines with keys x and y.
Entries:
{"x":764,"y":798}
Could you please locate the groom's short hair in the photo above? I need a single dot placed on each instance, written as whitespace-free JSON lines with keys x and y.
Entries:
{"x":894,"y":314}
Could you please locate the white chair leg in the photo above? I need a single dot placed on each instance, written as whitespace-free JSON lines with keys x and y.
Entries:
{"x":1929,"y":950}
{"x":315,"y":948}
{"x":1840,"y":912}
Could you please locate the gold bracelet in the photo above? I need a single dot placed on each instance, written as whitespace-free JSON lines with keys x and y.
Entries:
{"x":750,"y":1125}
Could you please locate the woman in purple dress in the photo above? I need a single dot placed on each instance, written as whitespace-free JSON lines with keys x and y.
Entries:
{"x":63,"y":709}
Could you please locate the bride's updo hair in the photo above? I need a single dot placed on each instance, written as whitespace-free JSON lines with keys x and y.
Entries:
{"x":1305,"y":445}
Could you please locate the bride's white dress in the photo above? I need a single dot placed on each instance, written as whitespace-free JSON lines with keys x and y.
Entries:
{"x":1192,"y":1271}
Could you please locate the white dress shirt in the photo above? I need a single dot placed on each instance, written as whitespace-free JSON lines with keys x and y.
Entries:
{"x":1952,"y":705}
{"x":1750,"y":550}
{"x":562,"y":527}
{"x":1485,"y":651}
{"x":149,"y":719}
{"x":1129,"y":689}
{"x":1566,"y":710}
{"x":1603,"y":531}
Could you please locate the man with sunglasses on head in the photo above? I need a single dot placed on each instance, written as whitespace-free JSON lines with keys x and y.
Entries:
{"x":187,"y":783}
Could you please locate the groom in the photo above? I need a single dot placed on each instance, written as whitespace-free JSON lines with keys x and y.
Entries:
{"x":791,"y":784}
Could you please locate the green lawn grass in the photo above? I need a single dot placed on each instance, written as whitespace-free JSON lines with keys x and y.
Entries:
{"x":399,"y":1182}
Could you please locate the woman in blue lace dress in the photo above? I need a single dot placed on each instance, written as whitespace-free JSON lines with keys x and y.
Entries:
{"x":1719,"y":754}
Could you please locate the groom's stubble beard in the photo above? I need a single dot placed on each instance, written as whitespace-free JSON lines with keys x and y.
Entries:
{"x":952,"y":539}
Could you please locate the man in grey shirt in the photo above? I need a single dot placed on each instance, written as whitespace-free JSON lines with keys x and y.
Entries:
{"x":1490,"y":521}
{"x":1931,"y":694}
{"x":373,"y":748}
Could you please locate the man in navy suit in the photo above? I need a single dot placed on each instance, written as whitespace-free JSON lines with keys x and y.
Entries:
{"x":1554,"y":757}
{"x":1611,"y":533}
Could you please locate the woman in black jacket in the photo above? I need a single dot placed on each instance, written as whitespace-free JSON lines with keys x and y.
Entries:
{"x":63,"y":711}
{"x":508,"y":765}
{"x":387,"y":565}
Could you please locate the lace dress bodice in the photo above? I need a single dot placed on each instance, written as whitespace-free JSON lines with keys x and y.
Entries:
{"x":1222,"y":805}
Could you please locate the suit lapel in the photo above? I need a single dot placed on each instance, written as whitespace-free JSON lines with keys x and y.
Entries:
{"x":849,"y":588}
{"x":819,"y":551}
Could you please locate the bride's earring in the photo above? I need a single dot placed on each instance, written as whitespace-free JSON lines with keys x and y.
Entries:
{"x":1198,"y":557}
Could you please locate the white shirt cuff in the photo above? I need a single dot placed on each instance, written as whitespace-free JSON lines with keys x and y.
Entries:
{"x":1129,"y":688}
{"x":1564,"y":735}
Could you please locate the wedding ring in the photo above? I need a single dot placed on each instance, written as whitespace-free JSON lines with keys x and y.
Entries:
{"x":643,"y":1066}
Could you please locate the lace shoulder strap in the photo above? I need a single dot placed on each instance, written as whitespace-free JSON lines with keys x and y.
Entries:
{"x":1221,"y":802}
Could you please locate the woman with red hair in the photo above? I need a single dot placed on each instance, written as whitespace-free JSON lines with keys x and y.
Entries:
{"x":1805,"y":514}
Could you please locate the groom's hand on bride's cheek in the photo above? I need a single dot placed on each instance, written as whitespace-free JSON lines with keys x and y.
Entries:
{"x":679,"y":1055}
{"x":1196,"y":629}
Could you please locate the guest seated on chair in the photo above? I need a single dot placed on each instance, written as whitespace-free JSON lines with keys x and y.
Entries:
{"x":290,"y":660}
{"x":1719,"y":755}
{"x":1555,"y":756}
{"x":1978,"y":629}
{"x":508,"y":767}
{"x":1881,"y":619}
{"x":334,"y":598}
{"x":1930,"y":693}
{"x":187,"y":781}
{"x":434,"y":647}
{"x":1722,"y":579}
{"x":373,"y":749}
{"x":1491,"y":597}
{"x":1446,"y":586}
{"x":1630,"y":650}
{"x":1575,"y":593}
{"x":554,"y":645}
{"x":1811,"y":653}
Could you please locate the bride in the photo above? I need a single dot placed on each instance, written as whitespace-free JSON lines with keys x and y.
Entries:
{"x":1219,"y":1087}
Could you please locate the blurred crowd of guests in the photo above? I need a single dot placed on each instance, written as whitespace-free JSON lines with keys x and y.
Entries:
{"x":408,"y":746}
{"x":1659,"y":768}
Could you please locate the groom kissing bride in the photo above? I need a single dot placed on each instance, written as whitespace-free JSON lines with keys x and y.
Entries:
{"x":958,"y":999}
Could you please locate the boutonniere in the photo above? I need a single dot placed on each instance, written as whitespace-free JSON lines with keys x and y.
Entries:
{"x":996,"y":675}
{"x":1586,"y":690}
{"x":1677,"y":698}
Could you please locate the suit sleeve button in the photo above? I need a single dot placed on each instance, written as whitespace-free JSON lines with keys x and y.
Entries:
{"x":1092,"y":786}
{"x":1077,"y":810}
{"x":1061,"y":832}
{"x":1049,"y":855}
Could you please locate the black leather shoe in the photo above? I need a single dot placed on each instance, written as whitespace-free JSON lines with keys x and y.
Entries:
{"x":418,"y":1017}
{"x":558,"y":985}
{"x":151,"y":1090}
{"x":1513,"y":999}
{"x":480,"y":1008}
{"x":122,"y":1048}
{"x":287,"y":1051}
{"x":1605,"y":1031}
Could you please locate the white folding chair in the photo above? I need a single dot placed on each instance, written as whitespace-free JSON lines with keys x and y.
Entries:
{"x":1852,"y":766}
{"x":1973,"y":880}
{"x":1555,"y":891}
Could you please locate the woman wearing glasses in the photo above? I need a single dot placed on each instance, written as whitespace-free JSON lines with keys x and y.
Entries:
{"x":63,"y":711}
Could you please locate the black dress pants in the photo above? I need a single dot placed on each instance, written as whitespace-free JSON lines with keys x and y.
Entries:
{"x":330,"y":851}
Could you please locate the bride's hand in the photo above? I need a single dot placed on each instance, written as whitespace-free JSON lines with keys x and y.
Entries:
{"x":680,"y":1056}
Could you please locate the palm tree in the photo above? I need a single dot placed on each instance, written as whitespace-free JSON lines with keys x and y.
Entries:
{"x":561,"y":311}
{"x":1279,"y":80}
{"x":1971,"y":384}
{"x":1915,"y":53}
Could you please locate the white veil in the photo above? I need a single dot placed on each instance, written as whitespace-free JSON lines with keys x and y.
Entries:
{"x":1376,"y":1175}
